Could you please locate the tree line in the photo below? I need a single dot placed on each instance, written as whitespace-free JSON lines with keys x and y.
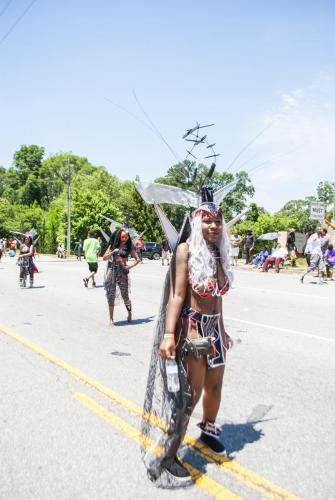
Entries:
{"x":33,"y":193}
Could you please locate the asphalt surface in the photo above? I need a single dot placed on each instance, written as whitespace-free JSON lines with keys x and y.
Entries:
{"x":74,"y":435}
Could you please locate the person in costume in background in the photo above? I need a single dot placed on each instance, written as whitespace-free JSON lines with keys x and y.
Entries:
{"x":191,"y":310}
{"x":26,"y":255}
{"x":119,"y":249}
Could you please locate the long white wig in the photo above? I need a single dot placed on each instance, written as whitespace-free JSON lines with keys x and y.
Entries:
{"x":201,"y":263}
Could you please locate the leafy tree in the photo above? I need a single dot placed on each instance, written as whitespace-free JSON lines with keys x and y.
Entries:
{"x":138,"y":214}
{"x":297,"y":213}
{"x":325,"y":191}
{"x":254,"y":212}
{"x":55,"y":171}
{"x":2,"y":179}
{"x":191,"y":177}
{"x":27,"y":163}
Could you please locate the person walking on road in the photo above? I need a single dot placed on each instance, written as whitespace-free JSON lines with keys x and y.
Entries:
{"x":117,"y":253}
{"x":313,"y":247}
{"x":25,"y":260}
{"x":191,"y":345}
{"x":91,"y":251}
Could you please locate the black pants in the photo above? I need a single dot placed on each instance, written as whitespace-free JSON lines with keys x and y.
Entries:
{"x":248,"y":255}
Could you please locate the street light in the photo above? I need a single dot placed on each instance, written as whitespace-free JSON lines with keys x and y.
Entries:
{"x":68,"y":178}
{"x":65,"y":174}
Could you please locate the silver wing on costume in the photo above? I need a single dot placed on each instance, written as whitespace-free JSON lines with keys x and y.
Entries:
{"x":155,"y":194}
{"x":114,"y":225}
{"x":152,"y":192}
{"x":32,"y":233}
{"x":235,"y":219}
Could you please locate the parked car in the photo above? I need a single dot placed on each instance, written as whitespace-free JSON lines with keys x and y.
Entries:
{"x":152,"y":250}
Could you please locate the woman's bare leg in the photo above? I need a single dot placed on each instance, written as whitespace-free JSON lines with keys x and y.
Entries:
{"x":212,"y":393}
{"x":128,"y":307}
{"x":111,"y":314}
{"x":196,"y":372}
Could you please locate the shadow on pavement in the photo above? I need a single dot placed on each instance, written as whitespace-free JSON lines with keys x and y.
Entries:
{"x":234,"y":436}
{"x":33,"y":287}
{"x":136,"y":321}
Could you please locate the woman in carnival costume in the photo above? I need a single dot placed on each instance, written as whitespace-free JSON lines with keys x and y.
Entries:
{"x":27,"y":251}
{"x":190,"y":316}
{"x":118,"y":251}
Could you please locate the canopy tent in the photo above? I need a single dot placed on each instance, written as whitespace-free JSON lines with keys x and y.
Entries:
{"x":268,"y":236}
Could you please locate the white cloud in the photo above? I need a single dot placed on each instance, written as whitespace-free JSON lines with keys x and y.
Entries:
{"x":302,"y":137}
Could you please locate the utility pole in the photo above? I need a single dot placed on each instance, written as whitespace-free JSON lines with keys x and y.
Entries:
{"x":334,"y":202}
{"x":68,"y":242}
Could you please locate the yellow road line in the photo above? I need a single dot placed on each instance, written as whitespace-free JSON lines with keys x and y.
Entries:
{"x":253,"y":480}
{"x":201,"y":480}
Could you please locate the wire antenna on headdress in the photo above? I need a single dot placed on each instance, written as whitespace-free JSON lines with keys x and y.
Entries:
{"x":192,"y":135}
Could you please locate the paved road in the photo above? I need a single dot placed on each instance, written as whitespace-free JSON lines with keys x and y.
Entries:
{"x":72,"y":389}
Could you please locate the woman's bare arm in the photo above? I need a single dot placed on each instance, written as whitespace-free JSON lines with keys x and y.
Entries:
{"x":134,"y":256}
{"x":221,"y":276}
{"x":176,"y":301}
{"x":178,"y":292}
{"x":109,"y":252}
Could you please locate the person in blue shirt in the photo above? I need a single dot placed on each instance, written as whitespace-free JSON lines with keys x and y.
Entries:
{"x":259,"y":259}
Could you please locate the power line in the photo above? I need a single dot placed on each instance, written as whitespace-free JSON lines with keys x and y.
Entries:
{"x":21,"y":16}
{"x":5,"y":7}
{"x":248,"y":145}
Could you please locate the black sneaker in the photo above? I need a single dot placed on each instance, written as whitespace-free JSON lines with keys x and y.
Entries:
{"x":214,"y":444}
{"x":210,"y":435}
{"x":302,"y":279}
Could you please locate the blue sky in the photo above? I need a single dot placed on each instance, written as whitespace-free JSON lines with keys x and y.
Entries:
{"x":240,"y":64}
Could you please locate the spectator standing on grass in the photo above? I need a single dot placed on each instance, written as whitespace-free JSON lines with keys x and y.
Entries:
{"x":277,"y":257}
{"x":291,"y":247}
{"x":249,"y":244}
{"x":91,"y":251}
{"x":307,"y":254}
{"x":235,"y":241}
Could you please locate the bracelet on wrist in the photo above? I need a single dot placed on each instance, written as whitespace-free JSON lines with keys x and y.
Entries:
{"x":168,"y":335}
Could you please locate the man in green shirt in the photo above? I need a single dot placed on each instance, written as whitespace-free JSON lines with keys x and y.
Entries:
{"x":91,"y":252}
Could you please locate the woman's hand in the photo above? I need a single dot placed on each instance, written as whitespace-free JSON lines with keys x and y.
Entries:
{"x":167,"y":348}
